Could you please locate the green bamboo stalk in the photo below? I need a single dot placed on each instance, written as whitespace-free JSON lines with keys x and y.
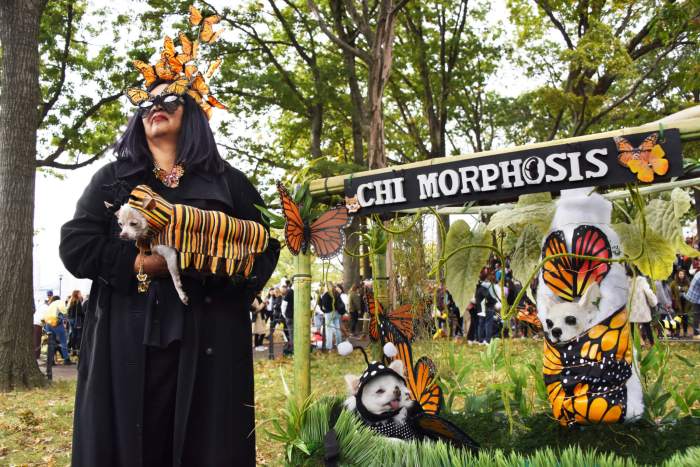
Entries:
{"x":380,"y":284}
{"x":302,"y":332}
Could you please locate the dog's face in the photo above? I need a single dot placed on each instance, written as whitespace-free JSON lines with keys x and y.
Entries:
{"x":383,"y":394}
{"x":566,"y":320}
{"x":132,"y":223}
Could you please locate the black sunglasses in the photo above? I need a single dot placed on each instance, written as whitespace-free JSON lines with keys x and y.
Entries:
{"x":167,"y":102}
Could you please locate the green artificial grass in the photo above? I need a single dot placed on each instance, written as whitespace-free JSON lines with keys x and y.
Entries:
{"x":35,"y":426}
{"x":642,"y":441}
{"x":597,"y":446}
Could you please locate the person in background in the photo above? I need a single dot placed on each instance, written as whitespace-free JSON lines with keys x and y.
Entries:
{"x":288,"y":297}
{"x":486,"y":300}
{"x":75,"y":319}
{"x":49,"y":296}
{"x":257,"y":308}
{"x":500,"y":324}
{"x":679,"y":287}
{"x":354,"y":307}
{"x":277,"y":315}
{"x":341,"y":307}
{"x":693,"y":296}
{"x":664,"y":304}
{"x":642,"y":302}
{"x":53,"y":317}
{"x":37,"y":327}
{"x":330,"y":306}
{"x":453,"y":316}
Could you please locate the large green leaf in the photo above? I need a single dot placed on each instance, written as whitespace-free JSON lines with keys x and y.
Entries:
{"x":536,"y":209}
{"x":526,"y":255}
{"x":462,"y":268}
{"x":666,"y":219}
{"x":658,"y":252}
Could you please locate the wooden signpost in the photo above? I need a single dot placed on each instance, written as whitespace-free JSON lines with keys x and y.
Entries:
{"x":591,"y":160}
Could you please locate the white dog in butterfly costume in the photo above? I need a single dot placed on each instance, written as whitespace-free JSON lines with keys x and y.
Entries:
{"x":383,"y":399}
{"x":588,"y":366}
{"x":206,"y":241}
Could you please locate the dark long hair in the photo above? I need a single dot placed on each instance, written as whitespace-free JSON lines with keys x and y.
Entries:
{"x":196,"y":147}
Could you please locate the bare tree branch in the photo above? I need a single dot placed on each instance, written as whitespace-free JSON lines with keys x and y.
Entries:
{"x":632,"y":90}
{"x":360,"y":21}
{"x":310,"y":61}
{"x":548,"y":10}
{"x":77,"y":165}
{"x":58,"y":87}
{"x":79,"y":122}
{"x":361,"y":54}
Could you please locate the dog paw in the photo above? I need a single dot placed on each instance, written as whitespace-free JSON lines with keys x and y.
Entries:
{"x":185,"y":299}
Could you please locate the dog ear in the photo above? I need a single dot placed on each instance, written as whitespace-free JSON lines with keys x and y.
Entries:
{"x":148,"y":203}
{"x":549,"y":301}
{"x":590,"y":296}
{"x":353,"y":383}
{"x":397,"y":366}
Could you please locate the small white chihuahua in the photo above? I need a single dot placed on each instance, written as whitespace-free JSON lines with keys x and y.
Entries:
{"x":383,"y":394}
{"x":135,"y":227}
{"x":566,"y":320}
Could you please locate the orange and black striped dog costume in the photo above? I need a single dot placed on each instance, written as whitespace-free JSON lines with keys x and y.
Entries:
{"x":207,"y":241}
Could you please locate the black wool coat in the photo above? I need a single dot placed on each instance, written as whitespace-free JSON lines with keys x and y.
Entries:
{"x":213,"y":414}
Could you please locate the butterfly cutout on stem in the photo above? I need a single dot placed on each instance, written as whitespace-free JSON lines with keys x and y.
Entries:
{"x":325,"y":235}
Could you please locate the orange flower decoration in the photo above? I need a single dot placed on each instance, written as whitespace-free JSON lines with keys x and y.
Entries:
{"x":650,"y":163}
{"x":646,"y":160}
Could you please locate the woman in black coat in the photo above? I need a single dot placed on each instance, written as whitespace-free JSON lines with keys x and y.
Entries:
{"x":160,"y":382}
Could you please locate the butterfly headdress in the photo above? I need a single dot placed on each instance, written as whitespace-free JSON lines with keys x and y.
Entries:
{"x":181,"y":68}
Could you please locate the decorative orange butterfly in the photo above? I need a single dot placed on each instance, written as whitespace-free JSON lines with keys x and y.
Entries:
{"x":394,"y":326}
{"x":646,"y":160}
{"x":325,"y":234}
{"x":420,"y":379}
{"x":569,"y":277}
{"x":147,"y":71}
{"x":528,"y":314}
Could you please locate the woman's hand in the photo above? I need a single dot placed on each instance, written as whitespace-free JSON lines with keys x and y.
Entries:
{"x":153,"y":265}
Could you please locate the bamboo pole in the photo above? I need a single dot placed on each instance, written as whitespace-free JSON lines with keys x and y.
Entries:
{"x":689,"y":129}
{"x":380,"y":286}
{"x":302,"y":332}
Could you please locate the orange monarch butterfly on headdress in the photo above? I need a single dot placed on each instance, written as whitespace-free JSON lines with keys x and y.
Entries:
{"x":325,"y":234}
{"x":569,"y":277}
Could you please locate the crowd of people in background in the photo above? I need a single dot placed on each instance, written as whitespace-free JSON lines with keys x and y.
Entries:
{"x":670,"y":308}
{"x":61,"y":320}
{"x":337,"y":315}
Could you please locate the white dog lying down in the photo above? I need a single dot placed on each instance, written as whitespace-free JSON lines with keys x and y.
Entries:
{"x":384,"y":400}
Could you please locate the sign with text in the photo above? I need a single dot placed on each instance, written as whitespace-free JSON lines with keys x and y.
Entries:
{"x":643,"y":158}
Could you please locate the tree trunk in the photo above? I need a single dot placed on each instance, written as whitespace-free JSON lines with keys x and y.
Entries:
{"x":19,"y":101}
{"x":357,"y":112}
{"x":379,"y":70}
{"x":316,"y":129}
